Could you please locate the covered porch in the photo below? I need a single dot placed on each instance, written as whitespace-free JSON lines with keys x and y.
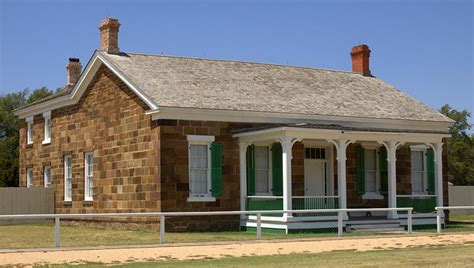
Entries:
{"x":307,"y":166}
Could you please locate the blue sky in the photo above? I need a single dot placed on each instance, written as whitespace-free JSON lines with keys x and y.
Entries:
{"x":424,"y":48}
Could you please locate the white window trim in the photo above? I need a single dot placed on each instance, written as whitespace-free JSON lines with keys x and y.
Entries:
{"x":29,"y":130}
{"x":373,"y":195}
{"x":29,"y":178}
{"x":200,"y":140}
{"x":46,"y":184}
{"x":423,"y":149}
{"x":270,"y":175}
{"x":66,"y":198}
{"x":47,"y":116}
{"x":86,"y":184}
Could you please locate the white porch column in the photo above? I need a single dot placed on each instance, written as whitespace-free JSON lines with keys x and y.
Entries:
{"x":341,"y":148}
{"x":243,"y":177}
{"x":287,"y":146}
{"x":391,"y":147}
{"x":438,"y":150}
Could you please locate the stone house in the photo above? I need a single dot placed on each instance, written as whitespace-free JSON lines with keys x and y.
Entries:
{"x":141,"y":133}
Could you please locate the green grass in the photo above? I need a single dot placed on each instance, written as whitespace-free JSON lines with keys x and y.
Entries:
{"x":42,"y":236}
{"x":436,"y":256}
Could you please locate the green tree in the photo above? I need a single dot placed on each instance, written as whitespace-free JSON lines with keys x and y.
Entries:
{"x":9,"y":132}
{"x":460,"y":147}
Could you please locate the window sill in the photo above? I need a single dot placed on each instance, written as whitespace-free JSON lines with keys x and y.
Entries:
{"x":67,"y":203}
{"x":46,"y":142}
{"x":375,"y":196}
{"x":29,"y":145}
{"x":88,"y":202}
{"x":201,"y":199}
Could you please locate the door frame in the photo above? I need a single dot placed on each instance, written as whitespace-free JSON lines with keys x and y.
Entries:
{"x":330,"y":161}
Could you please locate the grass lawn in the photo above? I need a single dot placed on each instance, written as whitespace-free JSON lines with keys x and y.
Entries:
{"x":42,"y":235}
{"x":439,"y":256}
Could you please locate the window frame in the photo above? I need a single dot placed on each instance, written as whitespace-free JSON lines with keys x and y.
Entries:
{"x":47,"y":181}
{"x":29,"y":177}
{"x":47,"y":127}
{"x":423,"y":149}
{"x":88,"y":178}
{"x":29,"y":130}
{"x":200,"y":140}
{"x":377,"y":194}
{"x":66,"y":184}
{"x":270,"y":169}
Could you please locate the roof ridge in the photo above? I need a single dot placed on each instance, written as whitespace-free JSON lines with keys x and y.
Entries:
{"x":236,"y":61}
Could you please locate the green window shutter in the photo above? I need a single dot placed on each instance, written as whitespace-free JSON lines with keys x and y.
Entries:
{"x":383,"y":167}
{"x":216,"y":169}
{"x":251,"y":170}
{"x":277,"y":170}
{"x":431,"y":171}
{"x":360,"y":165}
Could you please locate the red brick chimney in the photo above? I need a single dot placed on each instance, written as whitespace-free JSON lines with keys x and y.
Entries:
{"x":73,"y":68}
{"x":360,"y":60}
{"x":109,"y":29}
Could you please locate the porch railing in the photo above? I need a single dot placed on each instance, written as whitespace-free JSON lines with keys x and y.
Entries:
{"x":315,"y":202}
{"x":419,"y":203}
{"x":299,"y":203}
{"x":265,"y":203}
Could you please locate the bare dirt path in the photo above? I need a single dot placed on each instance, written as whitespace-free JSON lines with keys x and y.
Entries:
{"x":219,"y":250}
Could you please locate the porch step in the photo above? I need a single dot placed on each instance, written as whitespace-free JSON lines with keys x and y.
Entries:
{"x":375,"y":227}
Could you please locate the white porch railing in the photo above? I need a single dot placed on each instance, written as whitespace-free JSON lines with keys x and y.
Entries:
{"x":419,"y":203}
{"x":440,"y":210}
{"x":315,"y":202}
{"x":298,"y":203}
{"x":163,"y":215}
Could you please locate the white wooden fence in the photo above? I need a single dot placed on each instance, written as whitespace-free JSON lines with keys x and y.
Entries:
{"x":163,"y":215}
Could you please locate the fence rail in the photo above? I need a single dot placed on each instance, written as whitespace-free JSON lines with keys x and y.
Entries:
{"x":440,"y":212}
{"x":163,"y":215}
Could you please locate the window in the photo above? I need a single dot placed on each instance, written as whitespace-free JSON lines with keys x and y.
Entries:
{"x":47,"y":176}
{"x":199,"y":168}
{"x":29,"y":177}
{"x":47,"y":127}
{"x":315,"y":153}
{"x":29,"y":130}
{"x":370,"y":171}
{"x":262,"y":170}
{"x":418,"y":170}
{"x":68,"y":178}
{"x":88,"y":176}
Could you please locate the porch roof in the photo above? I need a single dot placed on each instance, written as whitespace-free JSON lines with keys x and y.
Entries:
{"x":331,"y":127}
{"x":331,"y":132}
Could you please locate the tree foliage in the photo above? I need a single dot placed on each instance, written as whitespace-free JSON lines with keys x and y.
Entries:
{"x":460,"y":147}
{"x":9,"y":132}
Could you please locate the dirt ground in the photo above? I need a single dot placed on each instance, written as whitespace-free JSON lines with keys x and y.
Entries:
{"x":219,"y":250}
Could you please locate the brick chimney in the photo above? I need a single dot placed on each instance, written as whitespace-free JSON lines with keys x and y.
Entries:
{"x":73,"y":68}
{"x":360,"y":60}
{"x":109,"y":29}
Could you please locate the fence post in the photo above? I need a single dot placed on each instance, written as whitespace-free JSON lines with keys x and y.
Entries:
{"x":410,"y":221}
{"x":162,"y":229}
{"x":438,"y":220}
{"x":259,"y":226}
{"x":57,"y":234}
{"x":339,"y":223}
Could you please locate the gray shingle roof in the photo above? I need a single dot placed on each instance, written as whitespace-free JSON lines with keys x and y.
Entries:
{"x":244,"y":86}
